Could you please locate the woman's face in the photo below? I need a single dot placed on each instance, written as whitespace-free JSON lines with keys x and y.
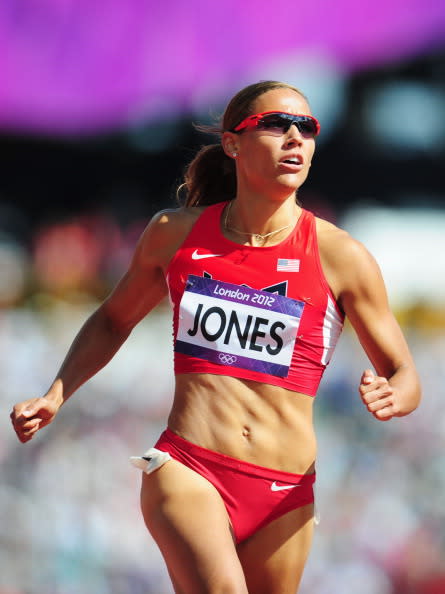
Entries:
{"x":273,"y":161}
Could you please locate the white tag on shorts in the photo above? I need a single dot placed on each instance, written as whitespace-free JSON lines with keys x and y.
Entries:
{"x":151,"y":460}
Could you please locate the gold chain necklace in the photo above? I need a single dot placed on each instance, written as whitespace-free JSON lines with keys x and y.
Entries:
{"x":256,"y":236}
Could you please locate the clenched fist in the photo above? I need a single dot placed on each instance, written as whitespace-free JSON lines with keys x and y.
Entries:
{"x":31,"y":415}
{"x":378,"y":396}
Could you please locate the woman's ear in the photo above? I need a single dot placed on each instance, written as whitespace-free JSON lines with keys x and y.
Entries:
{"x":229,"y":143}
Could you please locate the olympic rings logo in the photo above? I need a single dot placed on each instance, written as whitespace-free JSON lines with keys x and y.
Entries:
{"x":227,"y":359}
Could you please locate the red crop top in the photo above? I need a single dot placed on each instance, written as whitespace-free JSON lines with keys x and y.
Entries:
{"x":259,"y":313}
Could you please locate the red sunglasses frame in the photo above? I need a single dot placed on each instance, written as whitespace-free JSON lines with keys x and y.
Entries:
{"x":253,"y":120}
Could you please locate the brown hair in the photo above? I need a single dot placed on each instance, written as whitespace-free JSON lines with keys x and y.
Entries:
{"x":211,"y":176}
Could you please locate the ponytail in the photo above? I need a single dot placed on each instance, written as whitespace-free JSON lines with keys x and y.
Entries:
{"x":210,"y":177}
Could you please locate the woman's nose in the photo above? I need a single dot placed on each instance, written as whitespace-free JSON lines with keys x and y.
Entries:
{"x":294,"y":135}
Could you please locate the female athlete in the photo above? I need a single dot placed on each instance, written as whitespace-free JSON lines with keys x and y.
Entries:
{"x":260,"y":288}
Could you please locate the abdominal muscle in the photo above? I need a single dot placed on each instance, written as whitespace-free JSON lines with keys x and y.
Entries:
{"x":258,"y":423}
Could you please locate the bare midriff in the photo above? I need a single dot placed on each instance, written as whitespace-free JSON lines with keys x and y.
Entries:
{"x":258,"y":423}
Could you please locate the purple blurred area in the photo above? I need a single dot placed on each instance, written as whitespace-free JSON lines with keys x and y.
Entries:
{"x":85,"y":66}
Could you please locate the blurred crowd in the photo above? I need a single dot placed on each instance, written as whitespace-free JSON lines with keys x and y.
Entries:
{"x":70,"y":519}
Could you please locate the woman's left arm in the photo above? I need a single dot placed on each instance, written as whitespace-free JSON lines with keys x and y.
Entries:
{"x":394,"y":389}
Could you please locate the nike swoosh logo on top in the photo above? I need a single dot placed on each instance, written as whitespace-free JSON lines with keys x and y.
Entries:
{"x":275,"y":487}
{"x":196,"y":256}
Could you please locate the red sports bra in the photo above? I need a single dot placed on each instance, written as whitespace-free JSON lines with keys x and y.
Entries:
{"x":258,"y":313}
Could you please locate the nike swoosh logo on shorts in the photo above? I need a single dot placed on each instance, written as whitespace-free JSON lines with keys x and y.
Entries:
{"x":196,"y":256}
{"x":275,"y":487}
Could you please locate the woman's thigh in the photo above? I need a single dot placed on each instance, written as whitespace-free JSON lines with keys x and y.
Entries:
{"x":188,"y":520}
{"x":273,"y":559}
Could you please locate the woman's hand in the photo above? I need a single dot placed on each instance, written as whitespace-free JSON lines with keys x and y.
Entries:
{"x":378,"y":396}
{"x":31,"y":415}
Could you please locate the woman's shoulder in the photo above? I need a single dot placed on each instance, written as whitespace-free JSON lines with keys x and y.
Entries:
{"x":173,"y":222}
{"x":336,"y":243}
{"x":165,"y":233}
{"x":345,"y":260}
{"x":170,"y":219}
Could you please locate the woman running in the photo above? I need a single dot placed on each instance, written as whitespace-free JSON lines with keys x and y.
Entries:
{"x":259,"y":288}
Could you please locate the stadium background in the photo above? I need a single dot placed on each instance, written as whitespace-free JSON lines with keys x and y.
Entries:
{"x":97,"y":101}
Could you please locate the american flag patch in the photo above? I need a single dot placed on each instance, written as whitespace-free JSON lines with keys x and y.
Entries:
{"x":285,"y":265}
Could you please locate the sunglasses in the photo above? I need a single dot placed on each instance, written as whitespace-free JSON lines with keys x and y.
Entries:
{"x":279,"y":121}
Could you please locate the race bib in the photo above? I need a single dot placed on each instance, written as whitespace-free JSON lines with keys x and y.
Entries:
{"x":238,"y":326}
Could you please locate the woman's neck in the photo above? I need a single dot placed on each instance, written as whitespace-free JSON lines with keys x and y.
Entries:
{"x":259,"y":222}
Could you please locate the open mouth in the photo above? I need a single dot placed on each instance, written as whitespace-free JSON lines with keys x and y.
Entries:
{"x":292,"y":161}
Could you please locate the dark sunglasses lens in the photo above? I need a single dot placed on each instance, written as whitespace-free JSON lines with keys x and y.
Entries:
{"x":274,"y":122}
{"x":282,"y":122}
{"x":307,"y":127}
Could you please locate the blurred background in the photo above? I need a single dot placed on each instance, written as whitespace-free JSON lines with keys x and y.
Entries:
{"x":97,"y":105}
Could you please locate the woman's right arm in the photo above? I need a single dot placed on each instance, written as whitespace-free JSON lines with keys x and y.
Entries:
{"x":142,"y":287}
